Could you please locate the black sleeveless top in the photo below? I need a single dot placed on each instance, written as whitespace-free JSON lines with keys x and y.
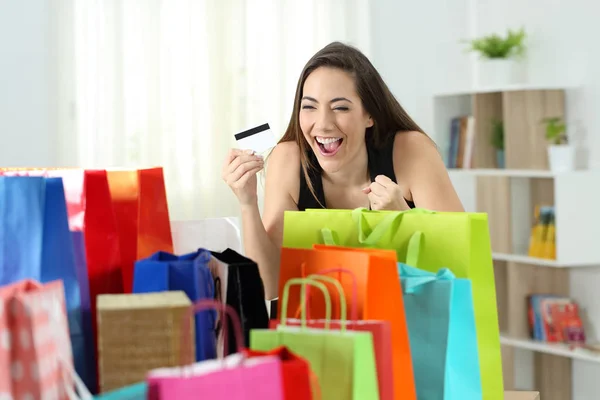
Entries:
{"x":380,"y":162}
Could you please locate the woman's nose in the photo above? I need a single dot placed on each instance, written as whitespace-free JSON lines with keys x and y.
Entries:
{"x":325,"y":120}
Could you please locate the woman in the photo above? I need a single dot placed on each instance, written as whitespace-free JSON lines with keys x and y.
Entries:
{"x":349,"y":144}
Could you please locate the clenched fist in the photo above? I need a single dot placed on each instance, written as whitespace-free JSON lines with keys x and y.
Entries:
{"x":385,"y":194}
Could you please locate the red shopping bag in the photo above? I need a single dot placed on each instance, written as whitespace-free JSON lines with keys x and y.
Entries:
{"x":299,"y":382}
{"x":380,"y":330}
{"x":140,"y":202}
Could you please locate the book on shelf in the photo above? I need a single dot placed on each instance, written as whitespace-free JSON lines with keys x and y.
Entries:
{"x":555,"y":319}
{"x":542,"y":242}
{"x":462,"y":142}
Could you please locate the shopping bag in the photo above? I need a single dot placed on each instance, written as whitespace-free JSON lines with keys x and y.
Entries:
{"x":90,"y":211}
{"x":85,"y":366}
{"x":457,"y":240}
{"x":443,"y":337}
{"x":380,"y":330}
{"x":236,"y":377}
{"x":379,"y":296}
{"x":189,"y":272}
{"x":140,"y":332}
{"x":343,"y":360}
{"x":35,"y":337}
{"x":140,"y":202}
{"x":299,"y":382}
{"x":217,"y":234}
{"x":138,"y":391}
{"x":238,"y":283}
{"x":37,"y":244}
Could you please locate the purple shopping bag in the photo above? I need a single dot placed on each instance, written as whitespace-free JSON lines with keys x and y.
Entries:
{"x":233,"y":377}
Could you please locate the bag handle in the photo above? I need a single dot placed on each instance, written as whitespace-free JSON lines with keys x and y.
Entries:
{"x":390,"y":222}
{"x":226,"y":310}
{"x":413,"y":250}
{"x":366,"y":235}
{"x":413,"y":278}
{"x":354,"y":302}
{"x":80,"y":392}
{"x":340,"y":289}
{"x":327,"y":235}
{"x":302,"y":282}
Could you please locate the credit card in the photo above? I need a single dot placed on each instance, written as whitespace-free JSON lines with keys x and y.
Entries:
{"x":259,"y":139}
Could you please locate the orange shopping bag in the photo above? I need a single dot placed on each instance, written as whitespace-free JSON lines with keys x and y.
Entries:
{"x":379,"y":296}
{"x":140,"y":202}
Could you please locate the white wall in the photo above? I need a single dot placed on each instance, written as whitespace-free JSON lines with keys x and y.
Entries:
{"x":416,"y":48}
{"x":27,"y":84}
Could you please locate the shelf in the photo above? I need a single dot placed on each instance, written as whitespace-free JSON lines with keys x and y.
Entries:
{"x":516,"y":173}
{"x":556,"y":349}
{"x":497,"y":89}
{"x":541,"y":262}
{"x":511,"y":173}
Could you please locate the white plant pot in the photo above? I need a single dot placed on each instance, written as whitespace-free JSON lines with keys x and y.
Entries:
{"x":561,"y":157}
{"x":500,"y":72}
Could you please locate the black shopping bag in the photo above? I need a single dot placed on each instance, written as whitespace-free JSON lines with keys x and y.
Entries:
{"x":238,"y":284}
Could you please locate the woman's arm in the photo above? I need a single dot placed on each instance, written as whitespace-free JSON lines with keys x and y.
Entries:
{"x":263,"y":238}
{"x":418,"y":164}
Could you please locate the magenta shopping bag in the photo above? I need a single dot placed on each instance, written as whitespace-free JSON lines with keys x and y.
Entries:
{"x":234,"y":377}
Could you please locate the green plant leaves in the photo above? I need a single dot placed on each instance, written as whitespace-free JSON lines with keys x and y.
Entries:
{"x":555,"y":130}
{"x":494,"y":46}
{"x":497,"y":139}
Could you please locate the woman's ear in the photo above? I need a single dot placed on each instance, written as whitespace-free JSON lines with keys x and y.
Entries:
{"x":370,"y":122}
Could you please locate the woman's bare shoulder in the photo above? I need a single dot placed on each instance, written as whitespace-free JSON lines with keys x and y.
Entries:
{"x":419,"y":164}
{"x":409,"y":141}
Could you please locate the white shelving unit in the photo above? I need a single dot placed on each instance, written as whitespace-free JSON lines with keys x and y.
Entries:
{"x":509,"y":173}
{"x":509,"y":197}
{"x":542,"y":262}
{"x":556,"y":349}
{"x":573,"y":194}
{"x":498,"y":89}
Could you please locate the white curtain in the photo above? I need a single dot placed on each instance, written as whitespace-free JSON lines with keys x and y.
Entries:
{"x":169,"y":82}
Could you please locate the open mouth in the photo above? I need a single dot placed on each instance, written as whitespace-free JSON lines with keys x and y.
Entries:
{"x":328,"y":145}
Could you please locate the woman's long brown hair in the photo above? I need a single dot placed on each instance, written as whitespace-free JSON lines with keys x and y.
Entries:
{"x":378,"y":101}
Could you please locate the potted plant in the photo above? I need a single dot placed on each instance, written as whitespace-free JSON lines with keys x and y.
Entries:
{"x":561,"y":154}
{"x":497,"y":141}
{"x":499,"y":62}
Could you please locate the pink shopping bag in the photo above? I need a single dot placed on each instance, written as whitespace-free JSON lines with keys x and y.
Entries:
{"x":380,"y":330}
{"x":234,"y":377}
{"x":35,"y":345}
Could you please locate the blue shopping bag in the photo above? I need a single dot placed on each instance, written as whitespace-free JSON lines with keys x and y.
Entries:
{"x":35,"y":243}
{"x":89,"y":374}
{"x":443,"y":340}
{"x":138,"y":391}
{"x":163,"y":271}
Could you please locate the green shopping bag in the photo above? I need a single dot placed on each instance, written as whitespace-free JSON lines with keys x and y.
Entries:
{"x":457,"y":239}
{"x":343,"y":360}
